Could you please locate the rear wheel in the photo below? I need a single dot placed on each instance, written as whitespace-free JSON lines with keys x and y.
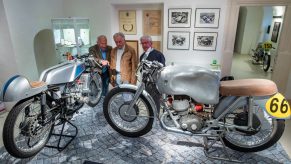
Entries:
{"x":95,"y":87}
{"x":267,"y":131}
{"x":266,"y":62}
{"x":23,"y":134}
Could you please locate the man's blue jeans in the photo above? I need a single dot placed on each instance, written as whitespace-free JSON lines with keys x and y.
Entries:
{"x":105,"y":83}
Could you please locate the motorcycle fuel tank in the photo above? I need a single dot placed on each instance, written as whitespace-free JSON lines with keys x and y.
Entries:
{"x":62,"y":73}
{"x":197,"y":82}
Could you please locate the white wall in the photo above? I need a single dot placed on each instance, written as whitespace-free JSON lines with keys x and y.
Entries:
{"x":98,"y":12}
{"x":267,"y":21}
{"x":202,"y":58}
{"x":103,"y":17}
{"x":25,"y":20}
{"x":7,"y":57}
{"x":252,"y":28}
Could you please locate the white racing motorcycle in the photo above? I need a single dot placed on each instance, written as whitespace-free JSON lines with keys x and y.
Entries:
{"x":51,"y":101}
{"x":195,"y":102}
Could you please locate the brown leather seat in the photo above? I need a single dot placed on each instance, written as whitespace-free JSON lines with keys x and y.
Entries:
{"x":35,"y":84}
{"x":248,"y":87}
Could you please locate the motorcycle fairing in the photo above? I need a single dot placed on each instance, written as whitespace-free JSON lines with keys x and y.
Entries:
{"x":18,"y":88}
{"x":199,"y":83}
{"x":63,"y":73}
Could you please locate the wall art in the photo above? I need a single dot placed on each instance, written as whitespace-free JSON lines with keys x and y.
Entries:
{"x":127,"y":22}
{"x":275,"y":32}
{"x":179,"y":17}
{"x":205,"y":41}
{"x":207,"y":18}
{"x":178,"y":40}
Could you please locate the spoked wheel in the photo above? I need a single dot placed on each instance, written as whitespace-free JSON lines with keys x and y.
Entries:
{"x":132,"y":123}
{"x":23,"y":134}
{"x":265,"y":133}
{"x":95,"y":87}
{"x":266,"y":62}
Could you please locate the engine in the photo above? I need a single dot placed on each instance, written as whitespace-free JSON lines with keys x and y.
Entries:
{"x":191,"y":116}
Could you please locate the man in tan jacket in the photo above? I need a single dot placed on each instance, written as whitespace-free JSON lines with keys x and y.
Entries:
{"x":123,"y":62}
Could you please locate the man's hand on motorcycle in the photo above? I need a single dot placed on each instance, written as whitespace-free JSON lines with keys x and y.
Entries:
{"x":105,"y":62}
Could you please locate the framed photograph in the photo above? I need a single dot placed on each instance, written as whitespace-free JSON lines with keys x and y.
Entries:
{"x":275,"y":32}
{"x":207,"y":18}
{"x":178,"y":40}
{"x":133,"y":44}
{"x":205,"y":41}
{"x":152,"y":22}
{"x":127,"y":22}
{"x":180,"y":17}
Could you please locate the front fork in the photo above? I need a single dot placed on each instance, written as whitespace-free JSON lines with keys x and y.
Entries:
{"x":137,"y":94}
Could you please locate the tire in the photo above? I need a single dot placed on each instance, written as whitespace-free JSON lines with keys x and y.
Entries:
{"x":269,"y":131}
{"x":95,"y":87}
{"x":25,"y":127}
{"x":140,"y":121}
{"x":266,"y":62}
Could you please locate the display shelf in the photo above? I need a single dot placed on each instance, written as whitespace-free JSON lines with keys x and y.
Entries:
{"x":71,"y":35}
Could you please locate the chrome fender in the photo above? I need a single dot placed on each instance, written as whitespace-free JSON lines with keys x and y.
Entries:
{"x":18,"y":88}
{"x":145,"y":94}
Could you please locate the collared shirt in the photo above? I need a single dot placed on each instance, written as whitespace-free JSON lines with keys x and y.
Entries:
{"x":104,"y":68}
{"x":118,"y":58}
{"x":146,"y":54}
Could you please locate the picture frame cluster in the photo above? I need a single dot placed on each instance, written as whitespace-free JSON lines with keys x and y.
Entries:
{"x":204,"y":18}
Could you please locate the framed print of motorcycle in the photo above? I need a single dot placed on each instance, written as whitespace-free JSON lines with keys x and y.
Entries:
{"x":205,"y":41}
{"x":179,"y":17}
{"x":246,"y":115}
{"x":41,"y":105}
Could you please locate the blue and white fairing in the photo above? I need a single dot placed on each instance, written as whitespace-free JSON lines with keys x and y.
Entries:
{"x":63,"y":73}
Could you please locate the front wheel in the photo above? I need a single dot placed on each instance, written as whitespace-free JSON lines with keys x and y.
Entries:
{"x":24,"y":135}
{"x":266,"y":62}
{"x":95,"y":87}
{"x":267,"y":131}
{"x":131,"y":123}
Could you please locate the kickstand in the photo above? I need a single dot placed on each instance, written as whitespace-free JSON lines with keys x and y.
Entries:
{"x":208,"y":144}
{"x":62,"y":136}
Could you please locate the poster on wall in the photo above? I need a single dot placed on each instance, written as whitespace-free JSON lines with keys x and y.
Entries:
{"x":152,"y":22}
{"x":207,"y":18}
{"x":127,"y":22}
{"x":275,"y":32}
{"x":179,"y":17}
{"x":205,"y":41}
{"x":178,"y":40}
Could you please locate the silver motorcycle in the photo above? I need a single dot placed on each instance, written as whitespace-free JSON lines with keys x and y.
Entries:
{"x":44,"y":104}
{"x":195,"y":102}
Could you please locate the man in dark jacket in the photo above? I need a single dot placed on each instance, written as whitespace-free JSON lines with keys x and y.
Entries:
{"x":101,"y":52}
{"x":152,"y":55}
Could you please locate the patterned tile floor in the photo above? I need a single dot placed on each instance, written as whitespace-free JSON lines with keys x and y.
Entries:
{"x":98,"y":142}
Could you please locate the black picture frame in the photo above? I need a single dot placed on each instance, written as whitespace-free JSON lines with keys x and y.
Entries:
{"x":205,"y":41}
{"x":275,"y":32}
{"x":179,"y":17}
{"x":207,"y":17}
{"x":178,"y":40}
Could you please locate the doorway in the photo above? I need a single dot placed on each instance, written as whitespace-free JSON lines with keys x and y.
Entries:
{"x":256,"y":25}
